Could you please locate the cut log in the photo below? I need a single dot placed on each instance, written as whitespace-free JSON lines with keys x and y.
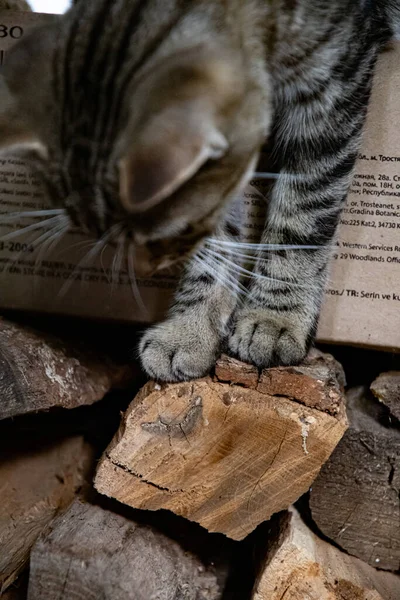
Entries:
{"x":35,"y":484}
{"x":298,"y":566}
{"x":355,"y":499}
{"x":224,"y":455}
{"x":39,"y":372}
{"x":387,"y":389}
{"x":93,"y":553}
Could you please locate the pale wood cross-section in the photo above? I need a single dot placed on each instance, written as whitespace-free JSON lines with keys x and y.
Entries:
{"x":227,"y":451}
{"x":300,"y":566}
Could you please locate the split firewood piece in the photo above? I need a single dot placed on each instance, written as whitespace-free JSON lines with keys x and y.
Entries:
{"x":387,"y":389}
{"x":226,"y":455}
{"x":36,"y":483}
{"x":355,"y":499}
{"x":299,"y":565}
{"x":39,"y":372}
{"x":93,"y":553}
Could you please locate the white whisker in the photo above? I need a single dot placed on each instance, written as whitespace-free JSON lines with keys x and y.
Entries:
{"x":117,"y":260}
{"x":41,"y":224}
{"x":250,"y":274}
{"x":32,"y":213}
{"x":89,"y":256}
{"x":105,"y":271}
{"x":256,"y":247}
{"x":265,"y":175}
{"x":223,"y":276}
{"x":269,"y":175}
{"x":49,"y":240}
{"x":133,"y":281}
{"x":42,"y":237}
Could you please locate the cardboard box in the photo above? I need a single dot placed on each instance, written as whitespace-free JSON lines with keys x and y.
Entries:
{"x":42,"y":271}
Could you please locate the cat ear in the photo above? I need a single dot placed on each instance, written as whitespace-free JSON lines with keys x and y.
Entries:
{"x":168,"y":152}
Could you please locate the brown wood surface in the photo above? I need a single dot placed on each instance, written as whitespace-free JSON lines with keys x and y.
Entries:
{"x":297,"y":565}
{"x":355,"y":499}
{"x":387,"y":389}
{"x":223,"y":455}
{"x":35,"y":483}
{"x":39,"y":372}
{"x":93,"y":553}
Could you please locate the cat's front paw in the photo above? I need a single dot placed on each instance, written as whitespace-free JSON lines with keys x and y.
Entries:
{"x":265,"y":338}
{"x":180,"y":349}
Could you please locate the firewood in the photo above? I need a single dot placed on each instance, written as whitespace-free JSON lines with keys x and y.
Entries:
{"x":387,"y":389}
{"x":36,"y":483}
{"x":298,"y":565}
{"x":227,"y":455}
{"x":94,"y":553}
{"x":355,"y":499}
{"x":39,"y":371}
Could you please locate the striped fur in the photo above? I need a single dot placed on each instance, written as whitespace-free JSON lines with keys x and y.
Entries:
{"x":231,"y":73}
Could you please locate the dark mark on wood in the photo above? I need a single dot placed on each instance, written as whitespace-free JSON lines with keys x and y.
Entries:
{"x":177,"y":429}
{"x":140,"y":477}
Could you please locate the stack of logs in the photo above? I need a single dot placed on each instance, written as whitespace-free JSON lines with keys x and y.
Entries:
{"x":246,"y":485}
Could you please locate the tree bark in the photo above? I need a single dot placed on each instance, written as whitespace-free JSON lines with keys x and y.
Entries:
{"x":39,"y":371}
{"x":93,"y":553}
{"x":386,"y":388}
{"x":36,"y":483}
{"x":355,"y":499}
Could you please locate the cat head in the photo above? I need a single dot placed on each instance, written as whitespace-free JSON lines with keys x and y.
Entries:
{"x":145,"y":132}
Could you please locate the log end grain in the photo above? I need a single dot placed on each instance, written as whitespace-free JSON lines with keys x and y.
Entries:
{"x":298,"y":565}
{"x":225,"y":455}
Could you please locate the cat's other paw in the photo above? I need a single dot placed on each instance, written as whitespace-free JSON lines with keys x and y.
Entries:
{"x":265,"y":338}
{"x":179,"y":349}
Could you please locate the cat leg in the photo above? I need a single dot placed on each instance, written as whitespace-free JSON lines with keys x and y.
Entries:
{"x":187,"y":344}
{"x":318,"y":138}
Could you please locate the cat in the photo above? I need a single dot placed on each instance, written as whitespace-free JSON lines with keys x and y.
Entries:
{"x":149,"y":116}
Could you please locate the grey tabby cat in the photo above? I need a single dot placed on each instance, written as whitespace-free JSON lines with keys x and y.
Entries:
{"x":150,"y":115}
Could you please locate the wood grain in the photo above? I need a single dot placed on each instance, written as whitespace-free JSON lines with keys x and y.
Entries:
{"x":355,"y":499}
{"x":35,"y":483}
{"x":93,"y":553}
{"x":297,"y":565}
{"x":39,"y":371}
{"x":225,"y":455}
